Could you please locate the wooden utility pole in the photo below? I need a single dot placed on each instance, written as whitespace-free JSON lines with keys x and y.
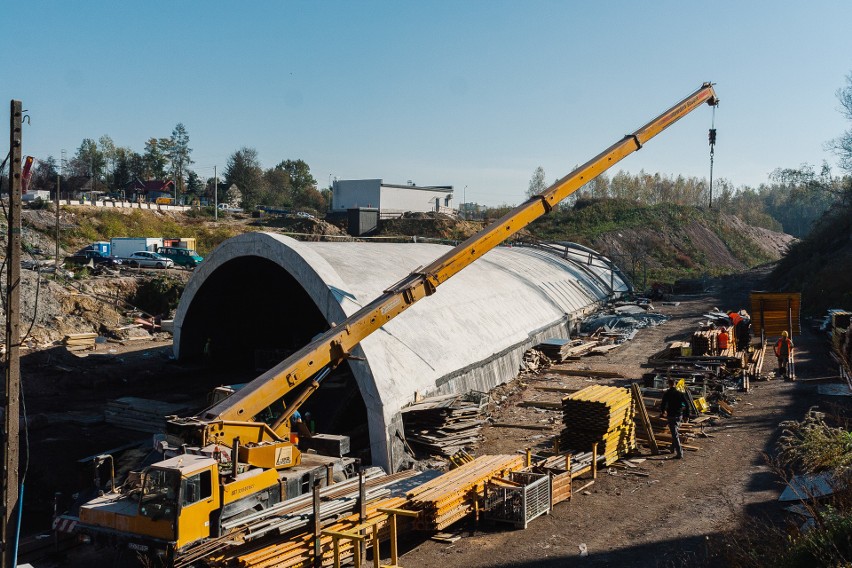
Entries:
{"x":56,"y":256}
{"x":9,"y":531}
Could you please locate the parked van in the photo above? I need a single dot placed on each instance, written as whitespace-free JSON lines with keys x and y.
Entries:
{"x":165,"y":201}
{"x":181,"y":256}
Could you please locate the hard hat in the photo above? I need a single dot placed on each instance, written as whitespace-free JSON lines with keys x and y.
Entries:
{"x":783,"y":334}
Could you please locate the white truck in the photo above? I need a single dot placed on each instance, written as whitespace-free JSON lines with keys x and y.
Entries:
{"x":123,"y":247}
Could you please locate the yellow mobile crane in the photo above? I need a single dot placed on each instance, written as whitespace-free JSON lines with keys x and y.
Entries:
{"x":232,"y":462}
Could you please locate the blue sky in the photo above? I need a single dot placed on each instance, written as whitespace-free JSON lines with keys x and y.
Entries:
{"x":474,"y":94}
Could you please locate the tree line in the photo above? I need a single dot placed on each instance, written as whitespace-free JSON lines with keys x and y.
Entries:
{"x":793,"y":200}
{"x":100,"y":165}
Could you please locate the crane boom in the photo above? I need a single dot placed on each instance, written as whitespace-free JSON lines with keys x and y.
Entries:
{"x":337,"y":343}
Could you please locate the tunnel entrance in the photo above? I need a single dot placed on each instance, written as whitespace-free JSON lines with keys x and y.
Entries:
{"x":250,"y":314}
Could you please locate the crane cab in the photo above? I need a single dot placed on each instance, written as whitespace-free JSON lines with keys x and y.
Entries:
{"x":172,"y":504}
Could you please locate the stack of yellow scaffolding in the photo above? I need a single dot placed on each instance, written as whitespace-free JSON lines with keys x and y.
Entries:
{"x":602,"y":415}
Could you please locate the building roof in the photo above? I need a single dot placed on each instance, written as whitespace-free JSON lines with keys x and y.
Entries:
{"x":441,"y":188}
{"x":152,"y":185}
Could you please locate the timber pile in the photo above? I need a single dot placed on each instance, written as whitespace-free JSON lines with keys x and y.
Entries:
{"x":664,"y":438}
{"x":558,"y":349}
{"x":599,"y":415}
{"x":705,"y":342}
{"x":452,"y":496}
{"x":141,"y":414}
{"x":443,"y":425}
{"x":754,"y":365}
{"x":80,"y":341}
{"x":297,"y":551}
{"x":294,"y":517}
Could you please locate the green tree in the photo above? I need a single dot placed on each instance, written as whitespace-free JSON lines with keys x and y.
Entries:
{"x":156,"y":158}
{"x":193,"y":183}
{"x":179,"y":153}
{"x":302,"y":182}
{"x":537,"y":183}
{"x":88,"y":160}
{"x":108,"y":150}
{"x":128,"y":166}
{"x":243,"y":170}
{"x":45,"y":174}
{"x":279,"y":191}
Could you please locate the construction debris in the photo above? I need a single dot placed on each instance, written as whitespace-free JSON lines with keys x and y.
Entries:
{"x":443,"y":425}
{"x":559,"y":349}
{"x":80,"y":341}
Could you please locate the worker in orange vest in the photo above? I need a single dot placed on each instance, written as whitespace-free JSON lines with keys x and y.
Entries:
{"x":783,"y":351}
{"x":735,"y":321}
{"x":722,"y":340}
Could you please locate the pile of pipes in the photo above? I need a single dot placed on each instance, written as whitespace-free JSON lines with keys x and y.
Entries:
{"x":443,"y":425}
{"x":599,"y":415}
{"x":261,"y":531}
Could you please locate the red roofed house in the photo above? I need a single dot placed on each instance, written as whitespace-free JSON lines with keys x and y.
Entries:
{"x":150,"y":190}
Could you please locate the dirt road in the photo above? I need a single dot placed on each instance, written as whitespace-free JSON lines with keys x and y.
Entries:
{"x":670,"y":517}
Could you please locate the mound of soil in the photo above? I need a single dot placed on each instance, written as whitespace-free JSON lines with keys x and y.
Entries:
{"x":430,"y":225}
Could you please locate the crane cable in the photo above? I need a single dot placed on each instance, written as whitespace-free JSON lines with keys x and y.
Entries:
{"x":711,"y":137}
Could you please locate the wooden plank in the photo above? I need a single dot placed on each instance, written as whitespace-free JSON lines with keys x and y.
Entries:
{"x":545,"y":404}
{"x":586,"y":373}
{"x":642,"y":412}
{"x":521,"y":426}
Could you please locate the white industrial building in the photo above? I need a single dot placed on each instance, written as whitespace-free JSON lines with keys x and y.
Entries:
{"x":390,"y":199}
{"x":470,"y":335}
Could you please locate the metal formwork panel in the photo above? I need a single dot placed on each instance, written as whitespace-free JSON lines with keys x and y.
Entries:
{"x":519,"y":505}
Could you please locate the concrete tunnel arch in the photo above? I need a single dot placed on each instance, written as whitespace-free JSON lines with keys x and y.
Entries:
{"x":267,"y":291}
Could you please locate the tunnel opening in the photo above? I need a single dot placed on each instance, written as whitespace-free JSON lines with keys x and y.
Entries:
{"x":249,"y":315}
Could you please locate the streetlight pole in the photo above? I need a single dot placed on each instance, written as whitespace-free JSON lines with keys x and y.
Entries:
{"x":464,"y":202}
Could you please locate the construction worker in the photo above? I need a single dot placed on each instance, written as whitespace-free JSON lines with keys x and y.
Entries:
{"x":735,"y":320}
{"x":675,"y":406}
{"x":722,"y":340}
{"x":783,"y":351}
{"x":743,"y":331}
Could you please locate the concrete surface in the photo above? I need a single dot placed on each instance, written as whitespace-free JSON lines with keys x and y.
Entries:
{"x":470,"y":335}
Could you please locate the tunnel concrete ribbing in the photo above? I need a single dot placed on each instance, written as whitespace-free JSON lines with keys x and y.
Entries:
{"x":469,"y":335}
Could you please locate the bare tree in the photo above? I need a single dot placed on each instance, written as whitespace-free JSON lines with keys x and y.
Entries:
{"x":537,"y":183}
{"x":843,"y":144}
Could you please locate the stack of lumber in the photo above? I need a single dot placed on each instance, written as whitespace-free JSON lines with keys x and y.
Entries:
{"x":559,"y":468}
{"x":442,"y":425}
{"x":261,"y":531}
{"x":297,"y":551}
{"x":599,"y":415}
{"x":452,"y":496}
{"x":704,"y":342}
{"x":80,"y":341}
{"x":141,"y":414}
{"x":754,"y":365}
{"x":673,"y":350}
{"x":664,"y":438}
{"x":558,"y":349}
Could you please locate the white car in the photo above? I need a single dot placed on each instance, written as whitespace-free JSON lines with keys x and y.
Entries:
{"x":145,"y":259}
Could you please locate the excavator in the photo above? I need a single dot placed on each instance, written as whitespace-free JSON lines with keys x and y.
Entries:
{"x":228,"y":462}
